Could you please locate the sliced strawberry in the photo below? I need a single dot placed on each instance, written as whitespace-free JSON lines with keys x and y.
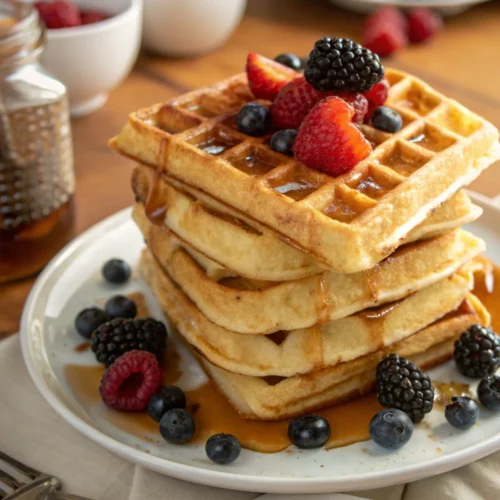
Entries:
{"x":423,"y":24}
{"x":266,"y":77}
{"x":328,"y":140}
{"x":376,"y":96}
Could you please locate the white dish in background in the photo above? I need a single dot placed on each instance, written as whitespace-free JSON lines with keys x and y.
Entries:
{"x":184,"y":28}
{"x":92,"y":60}
{"x":72,"y":281}
{"x":445,"y":7}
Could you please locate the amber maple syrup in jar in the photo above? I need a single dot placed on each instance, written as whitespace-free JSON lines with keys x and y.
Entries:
{"x":36,"y":158}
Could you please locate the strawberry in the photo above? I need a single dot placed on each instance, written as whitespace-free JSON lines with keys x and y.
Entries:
{"x":267,"y":77}
{"x":328,"y":140}
{"x":422,"y":24}
{"x":293,"y":103}
{"x":376,"y":96}
{"x":59,"y":14}
{"x":92,"y":16}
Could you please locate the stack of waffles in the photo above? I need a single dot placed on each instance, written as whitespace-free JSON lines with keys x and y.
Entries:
{"x":288,"y":284}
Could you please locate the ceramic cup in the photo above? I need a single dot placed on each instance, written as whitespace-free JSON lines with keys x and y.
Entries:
{"x":91,"y":60}
{"x":189,"y":27}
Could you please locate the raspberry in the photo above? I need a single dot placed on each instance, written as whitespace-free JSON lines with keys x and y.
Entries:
{"x":423,"y":24}
{"x":328,"y":140}
{"x":360,"y":104}
{"x":92,"y":16}
{"x":266,"y":77}
{"x":376,"y":97}
{"x":385,"y":31}
{"x":130,"y":381}
{"x":59,"y":14}
{"x":388,"y":14}
{"x":293,"y":103}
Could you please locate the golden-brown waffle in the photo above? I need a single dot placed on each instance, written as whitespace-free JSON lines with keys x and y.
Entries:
{"x":238,"y":246}
{"x":250,"y":307}
{"x":349,"y":223}
{"x":271,"y":399}
{"x":287,"y":354}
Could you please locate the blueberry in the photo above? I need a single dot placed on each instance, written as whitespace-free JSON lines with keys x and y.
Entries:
{"x":223,"y":449}
{"x":387,"y":120}
{"x":120,"y":306}
{"x":89,"y":320}
{"x":116,"y":271}
{"x":290,"y":60}
{"x":254,"y":119}
{"x":282,"y":141}
{"x":391,"y":429}
{"x":462,"y":413}
{"x":488,"y":392}
{"x":177,"y":426}
{"x":166,"y":398}
{"x":309,"y":431}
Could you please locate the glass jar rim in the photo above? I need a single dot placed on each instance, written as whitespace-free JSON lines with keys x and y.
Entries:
{"x":22,"y":35}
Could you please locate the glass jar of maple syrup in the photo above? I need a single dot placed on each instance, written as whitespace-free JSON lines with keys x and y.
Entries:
{"x":36,"y":158}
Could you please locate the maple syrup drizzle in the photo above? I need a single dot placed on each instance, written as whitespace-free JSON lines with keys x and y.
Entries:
{"x":349,"y":421}
{"x":155,"y":206}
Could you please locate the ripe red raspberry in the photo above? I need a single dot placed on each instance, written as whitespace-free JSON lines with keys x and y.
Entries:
{"x":328,"y":140}
{"x":266,"y":77}
{"x":422,"y":24}
{"x":130,"y":381}
{"x":389,"y":14}
{"x":59,"y":14}
{"x":293,"y":103}
{"x":92,"y":16}
{"x":376,"y":97}
{"x":360,"y":104}
{"x":385,"y":31}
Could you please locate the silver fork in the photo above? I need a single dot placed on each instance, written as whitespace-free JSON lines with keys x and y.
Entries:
{"x":20,"y":482}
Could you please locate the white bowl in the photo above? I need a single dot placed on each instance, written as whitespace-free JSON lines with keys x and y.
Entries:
{"x":91,"y":60}
{"x":189,"y":27}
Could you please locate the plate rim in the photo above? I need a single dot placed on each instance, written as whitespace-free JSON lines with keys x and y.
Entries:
{"x":221,"y":479}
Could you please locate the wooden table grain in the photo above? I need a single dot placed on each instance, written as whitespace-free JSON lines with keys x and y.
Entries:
{"x":461,"y":62}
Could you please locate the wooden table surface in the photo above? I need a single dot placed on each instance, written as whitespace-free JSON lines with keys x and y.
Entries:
{"x":461,"y":62}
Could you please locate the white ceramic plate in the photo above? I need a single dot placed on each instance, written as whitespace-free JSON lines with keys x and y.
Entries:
{"x":72,"y":281}
{"x":445,"y":7}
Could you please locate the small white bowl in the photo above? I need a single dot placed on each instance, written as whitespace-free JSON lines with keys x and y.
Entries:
{"x":189,"y":27}
{"x":93,"y":59}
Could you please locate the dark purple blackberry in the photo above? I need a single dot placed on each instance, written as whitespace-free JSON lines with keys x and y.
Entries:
{"x":342,"y":65}
{"x":402,"y":385}
{"x":118,"y":336}
{"x":477,"y":352}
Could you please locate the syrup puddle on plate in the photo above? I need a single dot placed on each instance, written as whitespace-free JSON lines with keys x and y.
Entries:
{"x":213,"y":414}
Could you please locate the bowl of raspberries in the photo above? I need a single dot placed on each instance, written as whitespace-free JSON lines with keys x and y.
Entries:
{"x":91,"y":46}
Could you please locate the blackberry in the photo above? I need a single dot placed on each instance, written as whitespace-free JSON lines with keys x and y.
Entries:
{"x":342,"y":65}
{"x":120,"y":335}
{"x":477,"y":352}
{"x":402,"y":385}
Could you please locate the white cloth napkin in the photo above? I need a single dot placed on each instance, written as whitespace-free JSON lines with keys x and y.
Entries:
{"x":33,"y":433}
